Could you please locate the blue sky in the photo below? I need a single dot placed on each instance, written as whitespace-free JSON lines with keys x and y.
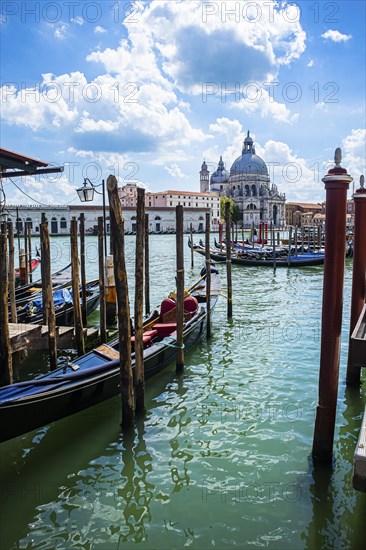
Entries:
{"x":146,"y":90}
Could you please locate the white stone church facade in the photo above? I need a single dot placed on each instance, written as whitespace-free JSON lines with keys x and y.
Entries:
{"x":248,"y":185}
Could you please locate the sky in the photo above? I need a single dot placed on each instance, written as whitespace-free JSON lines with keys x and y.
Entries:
{"x":147,"y":90}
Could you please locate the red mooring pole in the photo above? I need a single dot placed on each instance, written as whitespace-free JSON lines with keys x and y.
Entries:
{"x":336,"y":185}
{"x":358,"y":276}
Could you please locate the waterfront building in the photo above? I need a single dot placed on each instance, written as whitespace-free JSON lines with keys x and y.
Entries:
{"x":161,"y":219}
{"x":248,"y":184}
{"x":301,"y":213}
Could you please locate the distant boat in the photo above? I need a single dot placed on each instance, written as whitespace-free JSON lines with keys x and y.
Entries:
{"x":95,"y":377}
{"x":259,"y":258}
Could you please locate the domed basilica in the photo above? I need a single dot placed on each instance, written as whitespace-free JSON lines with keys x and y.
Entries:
{"x":248,"y":184}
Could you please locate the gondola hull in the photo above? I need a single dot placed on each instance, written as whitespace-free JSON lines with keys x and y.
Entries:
{"x":295,"y":261}
{"x":30,"y":405}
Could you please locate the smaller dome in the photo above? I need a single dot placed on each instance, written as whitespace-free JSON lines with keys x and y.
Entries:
{"x":220,"y":175}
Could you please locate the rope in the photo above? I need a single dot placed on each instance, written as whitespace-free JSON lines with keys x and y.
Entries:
{"x":165,"y":343}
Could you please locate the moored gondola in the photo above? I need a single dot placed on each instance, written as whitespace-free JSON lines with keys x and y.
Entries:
{"x":95,"y":377}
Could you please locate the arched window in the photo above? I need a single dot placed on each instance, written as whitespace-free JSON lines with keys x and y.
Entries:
{"x":30,"y":222}
{"x":247,"y":192}
{"x":157,"y":217}
{"x":134,"y":217}
{"x":19,"y":225}
{"x":63,"y":223}
{"x":201,"y":218}
{"x":254,"y":191}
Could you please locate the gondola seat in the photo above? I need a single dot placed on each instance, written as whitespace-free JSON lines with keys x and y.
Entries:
{"x":190,"y":305}
{"x":168,"y":310}
{"x":165,"y":329}
{"x":146,"y":338}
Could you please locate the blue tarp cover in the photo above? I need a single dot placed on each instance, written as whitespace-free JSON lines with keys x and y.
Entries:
{"x":60,"y":297}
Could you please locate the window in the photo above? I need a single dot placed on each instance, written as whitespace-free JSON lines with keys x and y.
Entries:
{"x":29,"y":221}
{"x":63,"y":223}
{"x":184,"y":204}
{"x":157,"y":217}
{"x":171,"y":204}
{"x":133,"y":218}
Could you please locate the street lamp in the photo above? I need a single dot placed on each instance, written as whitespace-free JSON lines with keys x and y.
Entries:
{"x":86,"y":194}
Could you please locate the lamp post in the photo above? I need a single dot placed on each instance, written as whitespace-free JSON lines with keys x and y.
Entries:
{"x":86,"y":194}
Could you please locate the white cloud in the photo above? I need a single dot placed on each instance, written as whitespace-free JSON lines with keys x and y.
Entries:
{"x":60,"y":32}
{"x":47,"y":189}
{"x":174,"y":170}
{"x":99,"y":29}
{"x":78,"y":20}
{"x":353,"y":149}
{"x":336,"y":36}
{"x":311,"y":63}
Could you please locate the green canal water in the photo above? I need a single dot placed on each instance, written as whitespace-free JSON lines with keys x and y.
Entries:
{"x":222,"y":458}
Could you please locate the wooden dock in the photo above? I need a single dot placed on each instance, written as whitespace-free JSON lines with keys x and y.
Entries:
{"x":25,"y":337}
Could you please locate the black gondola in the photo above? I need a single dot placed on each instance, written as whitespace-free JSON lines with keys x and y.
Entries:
{"x":95,"y":377}
{"x":31,"y":310}
{"x":60,"y":279}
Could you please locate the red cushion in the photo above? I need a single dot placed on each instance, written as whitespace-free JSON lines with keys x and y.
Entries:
{"x":167,"y":305}
{"x":190,"y":304}
{"x":164,"y":329}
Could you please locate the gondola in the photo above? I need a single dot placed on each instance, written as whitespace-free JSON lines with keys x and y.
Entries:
{"x":33,"y":264}
{"x":95,"y":377}
{"x":264,"y":259}
{"x":31,"y":311}
{"x":59,"y":279}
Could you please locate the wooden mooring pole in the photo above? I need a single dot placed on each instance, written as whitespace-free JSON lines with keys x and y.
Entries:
{"x":139,"y":302}
{"x":47,"y":294}
{"x":208,"y":276}
{"x":29,"y":237}
{"x":82,"y":266}
{"x":192,"y":251}
{"x":123,"y":306}
{"x":101,"y":252}
{"x":273,"y":247}
{"x":358,"y":276}
{"x":78,"y":320}
{"x":26,"y":253}
{"x":336,"y":185}
{"x":147,"y":266}
{"x":180,"y":287}
{"x":11,"y":267}
{"x":228,"y":262}
{"x":6,"y":367}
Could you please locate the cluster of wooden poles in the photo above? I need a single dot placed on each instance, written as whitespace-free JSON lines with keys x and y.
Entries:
{"x":133,"y":387}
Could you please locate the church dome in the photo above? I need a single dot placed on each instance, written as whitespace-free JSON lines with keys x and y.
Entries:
{"x":249,"y":162}
{"x":220,"y":175}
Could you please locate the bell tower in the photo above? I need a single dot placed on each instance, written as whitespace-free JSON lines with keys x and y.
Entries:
{"x":204,"y":178}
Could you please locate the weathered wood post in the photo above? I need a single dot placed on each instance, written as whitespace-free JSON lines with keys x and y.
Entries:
{"x":336,"y":184}
{"x":6,"y":367}
{"x":123,"y":306}
{"x":18,"y":232}
{"x":110,"y":289}
{"x":192,"y":251}
{"x":302,"y":239}
{"x":26,"y":253}
{"x":295,"y":240}
{"x":228,"y":262}
{"x":139,"y":302}
{"x":147,"y":266}
{"x":358,"y":275}
{"x":220,"y":236}
{"x":82,"y":266}
{"x":22,"y":266}
{"x":101,"y":252}
{"x":78,"y":320}
{"x":29,"y":237}
{"x":208,"y":276}
{"x":11,"y":267}
{"x":273,"y":246}
{"x":180,"y":286}
{"x":289,"y":246}
{"x":47,"y":294}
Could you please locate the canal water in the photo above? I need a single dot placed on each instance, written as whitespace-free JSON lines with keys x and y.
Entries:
{"x":222,"y":458}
